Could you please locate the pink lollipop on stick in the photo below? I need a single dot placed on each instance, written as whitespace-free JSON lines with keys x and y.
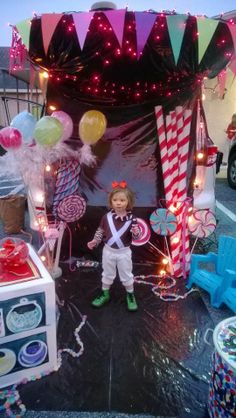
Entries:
{"x":145,"y":233}
{"x":201,"y":224}
{"x":71,"y":208}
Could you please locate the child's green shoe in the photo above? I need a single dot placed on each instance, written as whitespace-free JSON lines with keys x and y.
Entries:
{"x":131,"y":302}
{"x":103,"y":298}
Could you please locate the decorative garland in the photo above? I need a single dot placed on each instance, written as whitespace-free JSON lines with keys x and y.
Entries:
{"x":11,"y":396}
{"x":69,"y":350}
{"x":167,"y":297}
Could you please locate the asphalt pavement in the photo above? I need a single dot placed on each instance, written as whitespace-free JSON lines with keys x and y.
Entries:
{"x":225,"y":208}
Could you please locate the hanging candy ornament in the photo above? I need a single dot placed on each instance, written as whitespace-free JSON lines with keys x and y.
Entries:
{"x":10,"y":138}
{"x":92,"y":126}
{"x":48,"y":131}
{"x":144,"y":235}
{"x":25,"y":122}
{"x":66,"y":122}
{"x":202,"y":223}
{"x":163,"y":222}
{"x":71,"y":208}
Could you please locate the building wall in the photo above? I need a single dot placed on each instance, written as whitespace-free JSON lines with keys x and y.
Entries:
{"x":16,"y":107}
{"x":219,"y":111}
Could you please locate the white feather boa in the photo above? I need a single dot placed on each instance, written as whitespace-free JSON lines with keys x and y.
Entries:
{"x":28,"y":161}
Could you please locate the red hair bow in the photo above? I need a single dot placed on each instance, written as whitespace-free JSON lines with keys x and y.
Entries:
{"x":121,"y":184}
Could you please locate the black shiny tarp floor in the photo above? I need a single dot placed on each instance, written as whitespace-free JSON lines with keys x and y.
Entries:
{"x":153,"y":361}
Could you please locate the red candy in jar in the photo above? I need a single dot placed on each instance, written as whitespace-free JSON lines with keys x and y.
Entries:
{"x":13,"y":252}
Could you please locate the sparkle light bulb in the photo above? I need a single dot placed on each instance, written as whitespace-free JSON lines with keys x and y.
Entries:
{"x":200,"y":155}
{"x":48,"y":168}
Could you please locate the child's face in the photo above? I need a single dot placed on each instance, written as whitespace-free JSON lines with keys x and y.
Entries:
{"x":119,"y":202}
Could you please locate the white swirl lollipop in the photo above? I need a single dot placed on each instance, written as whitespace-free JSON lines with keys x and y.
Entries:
{"x":202,"y":223}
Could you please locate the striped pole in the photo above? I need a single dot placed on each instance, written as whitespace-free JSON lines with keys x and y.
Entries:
{"x":183,"y":190}
{"x":174,"y":147}
{"x":163,"y":151}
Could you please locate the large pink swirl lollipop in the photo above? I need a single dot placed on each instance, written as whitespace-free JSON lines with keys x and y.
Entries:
{"x":144,"y":235}
{"x":163,"y":222}
{"x":71,"y":208}
{"x":202,"y":223}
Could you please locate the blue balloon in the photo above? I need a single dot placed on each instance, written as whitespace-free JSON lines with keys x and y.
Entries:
{"x":25,"y":123}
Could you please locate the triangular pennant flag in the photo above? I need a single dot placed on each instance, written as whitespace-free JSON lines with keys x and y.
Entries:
{"x":232,"y":65}
{"x":222,"y":81}
{"x":82,"y":22}
{"x":176,"y":27}
{"x":24,"y":31}
{"x":144,"y":25}
{"x":206,"y":29}
{"x":232,"y":29}
{"x":117,"y":21}
{"x":49,"y":23}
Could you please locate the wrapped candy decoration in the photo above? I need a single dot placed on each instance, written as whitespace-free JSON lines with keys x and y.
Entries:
{"x":13,"y":252}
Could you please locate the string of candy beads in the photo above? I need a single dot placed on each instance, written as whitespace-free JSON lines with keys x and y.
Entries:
{"x":165,"y":296}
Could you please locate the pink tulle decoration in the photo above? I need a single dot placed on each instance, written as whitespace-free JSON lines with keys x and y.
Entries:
{"x":10,"y":138}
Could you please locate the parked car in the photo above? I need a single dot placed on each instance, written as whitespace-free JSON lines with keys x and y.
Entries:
{"x":231,"y":170}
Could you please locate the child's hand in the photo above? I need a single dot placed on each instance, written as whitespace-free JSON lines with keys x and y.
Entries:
{"x":135,"y":230}
{"x":92,"y":244}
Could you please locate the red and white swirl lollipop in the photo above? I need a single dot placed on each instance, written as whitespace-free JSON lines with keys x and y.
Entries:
{"x":71,"y":208}
{"x":163,"y":222}
{"x":144,"y":235}
{"x":202,"y":223}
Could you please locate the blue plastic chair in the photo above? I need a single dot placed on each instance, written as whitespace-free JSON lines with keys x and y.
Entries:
{"x":223,"y":278}
{"x":229,"y":297}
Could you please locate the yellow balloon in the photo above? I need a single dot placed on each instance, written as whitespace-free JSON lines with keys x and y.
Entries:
{"x":92,"y":126}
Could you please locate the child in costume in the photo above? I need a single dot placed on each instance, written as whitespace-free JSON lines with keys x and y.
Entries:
{"x":116,"y":230}
{"x":231,"y":129}
{"x":231,"y":134}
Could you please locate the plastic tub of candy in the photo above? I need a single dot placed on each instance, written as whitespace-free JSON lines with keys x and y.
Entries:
{"x":222,"y":391}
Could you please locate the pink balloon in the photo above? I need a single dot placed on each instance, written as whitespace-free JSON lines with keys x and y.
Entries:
{"x":10,"y":138}
{"x":66,"y":122}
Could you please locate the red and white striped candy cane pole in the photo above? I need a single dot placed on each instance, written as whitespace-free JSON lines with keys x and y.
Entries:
{"x":182,"y":189}
{"x":183,"y":155}
{"x":164,"y":158}
{"x":174,"y":148}
{"x":163,"y":151}
{"x":169,"y":146}
{"x":166,"y":175}
{"x":175,"y":239}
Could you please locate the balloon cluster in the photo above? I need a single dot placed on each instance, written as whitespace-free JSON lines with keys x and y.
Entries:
{"x":49,"y":130}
